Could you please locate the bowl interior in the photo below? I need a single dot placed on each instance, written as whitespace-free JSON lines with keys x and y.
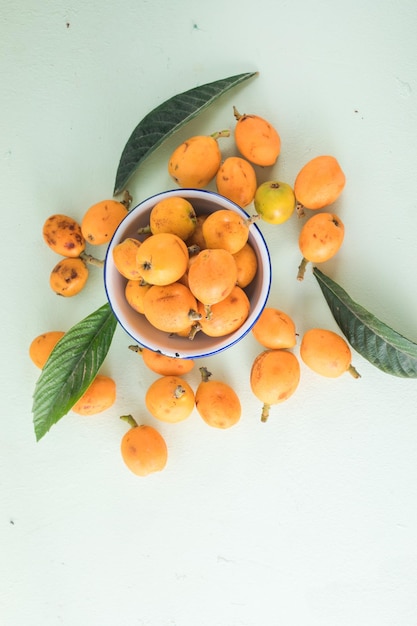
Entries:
{"x":136,"y":325}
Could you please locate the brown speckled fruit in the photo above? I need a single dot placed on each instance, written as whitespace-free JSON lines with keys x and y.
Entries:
{"x":63,"y":235}
{"x":69,"y":277}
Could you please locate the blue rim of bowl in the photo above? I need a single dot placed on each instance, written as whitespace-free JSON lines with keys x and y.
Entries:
{"x":207,"y":353}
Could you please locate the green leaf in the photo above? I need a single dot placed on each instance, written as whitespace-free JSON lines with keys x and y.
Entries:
{"x":375,"y":341}
{"x":166,"y":119}
{"x":71,"y":368}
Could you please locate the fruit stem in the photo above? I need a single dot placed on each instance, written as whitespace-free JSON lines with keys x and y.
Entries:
{"x":221,"y":133}
{"x":353,"y":371}
{"x":205,"y":374}
{"x":253,"y":218}
{"x":302,"y":269}
{"x":265,"y":412}
{"x":127,"y":199}
{"x":137,"y":349}
{"x":194,"y":249}
{"x":145,"y":230}
{"x":299,"y":209}
{"x":179,"y":391}
{"x":88,"y":258}
{"x":194,"y":315}
{"x":208,"y":312}
{"x":194,"y":330}
{"x":236,"y":113}
{"x":130,"y":420}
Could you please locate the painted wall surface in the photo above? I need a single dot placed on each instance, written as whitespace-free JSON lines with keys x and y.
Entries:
{"x":309,"y":519}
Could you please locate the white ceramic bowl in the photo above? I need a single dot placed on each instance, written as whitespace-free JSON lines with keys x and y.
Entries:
{"x":137,"y":326}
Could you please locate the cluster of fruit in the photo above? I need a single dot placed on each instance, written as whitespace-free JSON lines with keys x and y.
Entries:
{"x":275,"y":372}
{"x":200,"y":285}
{"x":318,"y":184}
{"x":68,"y":238}
{"x":170,"y":398}
{"x":200,"y":265}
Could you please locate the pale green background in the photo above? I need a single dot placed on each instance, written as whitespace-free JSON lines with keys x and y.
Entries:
{"x":308,"y":520}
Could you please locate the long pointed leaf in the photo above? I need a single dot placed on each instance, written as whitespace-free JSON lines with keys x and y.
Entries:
{"x":167,"y":118}
{"x":71,"y":367}
{"x":375,"y":341}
